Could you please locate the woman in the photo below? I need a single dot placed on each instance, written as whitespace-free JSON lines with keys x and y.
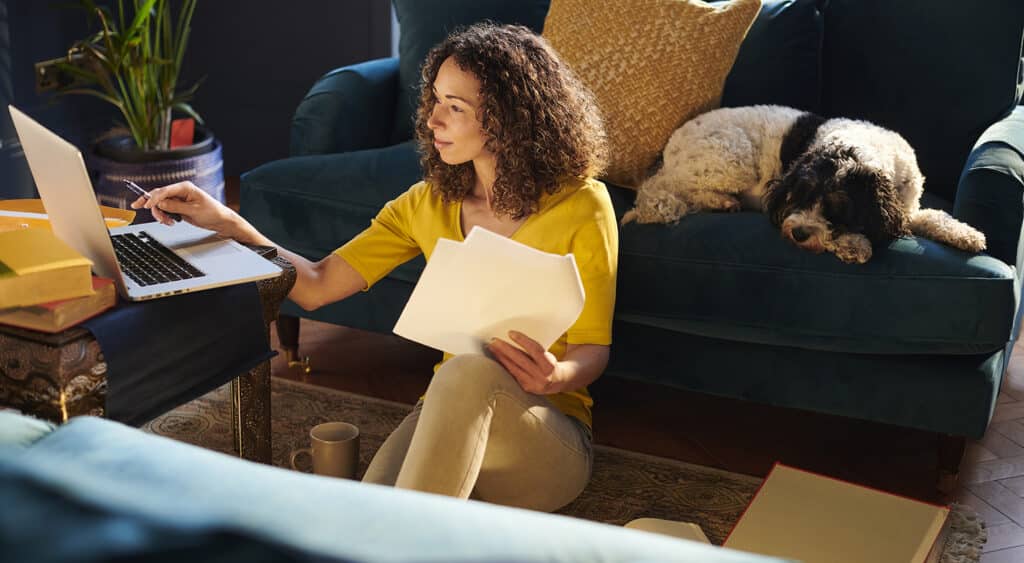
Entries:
{"x":510,"y":142}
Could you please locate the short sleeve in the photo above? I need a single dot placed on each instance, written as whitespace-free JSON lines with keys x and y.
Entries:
{"x":387,"y":242}
{"x":595,"y":247}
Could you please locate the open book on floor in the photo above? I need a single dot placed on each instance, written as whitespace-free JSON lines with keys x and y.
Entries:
{"x":801,"y":515}
{"x":682,"y":530}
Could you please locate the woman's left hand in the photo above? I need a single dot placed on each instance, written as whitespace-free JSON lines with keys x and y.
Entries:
{"x":536,"y":369}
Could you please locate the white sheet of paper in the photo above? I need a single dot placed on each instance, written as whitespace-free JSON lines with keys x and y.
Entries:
{"x":482,"y":288}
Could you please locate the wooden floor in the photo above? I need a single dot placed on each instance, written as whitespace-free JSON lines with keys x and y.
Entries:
{"x":728,"y":434}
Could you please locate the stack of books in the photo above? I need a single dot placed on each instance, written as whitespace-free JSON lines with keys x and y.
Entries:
{"x":46,"y":285}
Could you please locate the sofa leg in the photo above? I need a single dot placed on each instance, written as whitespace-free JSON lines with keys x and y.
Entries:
{"x":951,"y":453}
{"x":288,"y":336}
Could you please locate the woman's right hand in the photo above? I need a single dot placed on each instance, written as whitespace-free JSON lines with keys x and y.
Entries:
{"x":193,"y":204}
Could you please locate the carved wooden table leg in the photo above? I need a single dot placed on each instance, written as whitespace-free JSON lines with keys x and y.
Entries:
{"x":250,"y":414}
{"x":250,"y":392}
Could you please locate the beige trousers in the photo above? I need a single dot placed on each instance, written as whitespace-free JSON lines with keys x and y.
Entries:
{"x":477,"y":433}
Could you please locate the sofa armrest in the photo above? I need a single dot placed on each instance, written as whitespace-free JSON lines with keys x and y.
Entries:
{"x":990,"y":194}
{"x":109,"y":492}
{"x":349,"y":108}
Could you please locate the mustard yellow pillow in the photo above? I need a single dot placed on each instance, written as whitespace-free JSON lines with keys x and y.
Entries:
{"x":651,"y":64}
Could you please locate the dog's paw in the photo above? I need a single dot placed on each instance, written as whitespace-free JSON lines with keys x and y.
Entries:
{"x":939,"y":226}
{"x":654,"y":205}
{"x":731,"y":205}
{"x":852,"y":249}
{"x":852,"y":256}
{"x":973,"y":240}
{"x":708,"y":200}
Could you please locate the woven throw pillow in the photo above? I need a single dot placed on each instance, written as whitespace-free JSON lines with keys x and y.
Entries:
{"x":651,"y":64}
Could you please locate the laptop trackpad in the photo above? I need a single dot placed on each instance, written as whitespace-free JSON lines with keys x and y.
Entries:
{"x":219,"y":250}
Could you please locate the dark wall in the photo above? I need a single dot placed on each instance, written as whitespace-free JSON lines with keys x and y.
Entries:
{"x":261,"y":57}
{"x":32,"y":31}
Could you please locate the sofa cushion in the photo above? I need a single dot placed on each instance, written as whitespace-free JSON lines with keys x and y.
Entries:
{"x":650,"y":65}
{"x":425,"y":23}
{"x":314,"y":204}
{"x":18,"y":430}
{"x":779,"y":61}
{"x":939,"y":73}
{"x":732,"y":276}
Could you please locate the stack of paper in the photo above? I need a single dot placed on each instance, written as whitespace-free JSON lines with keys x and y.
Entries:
{"x":473,"y":291}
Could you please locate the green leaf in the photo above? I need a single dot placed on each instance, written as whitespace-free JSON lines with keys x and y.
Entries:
{"x":94,"y":93}
{"x":142,"y":13}
{"x":187,"y":109}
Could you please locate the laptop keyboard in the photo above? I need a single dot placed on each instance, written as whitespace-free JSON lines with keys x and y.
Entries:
{"x":147,"y":262}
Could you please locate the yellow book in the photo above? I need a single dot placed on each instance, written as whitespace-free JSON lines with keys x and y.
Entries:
{"x":816,"y":519}
{"x":29,"y":213}
{"x":56,"y":316}
{"x":37,"y":267}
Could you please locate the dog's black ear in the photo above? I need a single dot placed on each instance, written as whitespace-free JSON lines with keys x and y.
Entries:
{"x":800,"y":187}
{"x":876,"y":204}
{"x":774,"y":199}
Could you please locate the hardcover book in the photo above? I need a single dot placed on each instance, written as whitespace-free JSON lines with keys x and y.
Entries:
{"x":808,"y":517}
{"x":37,"y":267}
{"x":56,"y":316}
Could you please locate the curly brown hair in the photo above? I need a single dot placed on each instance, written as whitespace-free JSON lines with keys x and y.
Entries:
{"x":539,"y":120}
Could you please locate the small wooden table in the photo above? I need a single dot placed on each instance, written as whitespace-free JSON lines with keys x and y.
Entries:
{"x":58,"y":376}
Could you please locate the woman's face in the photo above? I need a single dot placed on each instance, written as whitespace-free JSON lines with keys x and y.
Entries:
{"x":458,"y":135}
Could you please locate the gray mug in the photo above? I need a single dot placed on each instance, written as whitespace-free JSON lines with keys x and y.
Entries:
{"x":335,"y":450}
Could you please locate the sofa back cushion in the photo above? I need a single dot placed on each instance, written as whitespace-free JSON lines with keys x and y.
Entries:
{"x":938,"y":73}
{"x":779,"y":62}
{"x":425,"y":23}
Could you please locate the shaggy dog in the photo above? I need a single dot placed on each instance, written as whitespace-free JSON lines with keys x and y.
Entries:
{"x":835,"y":185}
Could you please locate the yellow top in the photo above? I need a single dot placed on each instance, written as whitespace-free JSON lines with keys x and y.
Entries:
{"x":578,"y":219}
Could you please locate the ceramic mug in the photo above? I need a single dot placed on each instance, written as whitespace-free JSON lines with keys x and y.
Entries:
{"x":335,"y":450}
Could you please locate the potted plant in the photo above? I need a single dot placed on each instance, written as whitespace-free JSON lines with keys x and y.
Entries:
{"x":133,"y":62}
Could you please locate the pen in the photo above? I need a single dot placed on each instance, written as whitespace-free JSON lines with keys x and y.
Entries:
{"x":137,"y":190}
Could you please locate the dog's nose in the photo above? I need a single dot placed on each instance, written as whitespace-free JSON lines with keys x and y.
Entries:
{"x":800,"y":234}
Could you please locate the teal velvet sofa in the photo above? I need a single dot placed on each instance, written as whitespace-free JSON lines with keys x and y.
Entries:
{"x":918,"y":337}
{"x":95,"y":491}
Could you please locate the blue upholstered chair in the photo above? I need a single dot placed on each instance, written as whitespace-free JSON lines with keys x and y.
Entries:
{"x":919,"y":336}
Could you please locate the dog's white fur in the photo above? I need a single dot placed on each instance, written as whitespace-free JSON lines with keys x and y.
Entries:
{"x":724,"y":160}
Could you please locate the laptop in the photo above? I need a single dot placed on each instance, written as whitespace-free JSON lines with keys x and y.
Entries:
{"x":146,"y":260}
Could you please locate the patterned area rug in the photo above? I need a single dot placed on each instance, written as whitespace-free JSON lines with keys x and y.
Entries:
{"x":625,"y":485}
